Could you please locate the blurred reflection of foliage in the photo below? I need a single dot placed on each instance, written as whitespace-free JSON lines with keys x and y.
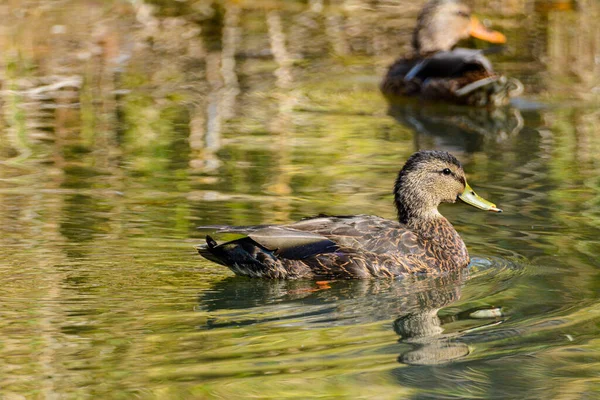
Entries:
{"x":137,"y":63}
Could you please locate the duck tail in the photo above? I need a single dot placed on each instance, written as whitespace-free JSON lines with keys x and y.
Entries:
{"x":210,"y":242}
{"x":244,"y":257}
{"x":207,"y":251}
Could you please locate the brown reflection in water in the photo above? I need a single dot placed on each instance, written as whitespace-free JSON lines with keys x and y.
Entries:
{"x":280,"y":54}
{"x":572,"y":37}
{"x":281,"y":126}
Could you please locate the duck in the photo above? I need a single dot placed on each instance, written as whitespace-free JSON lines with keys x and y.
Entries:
{"x":437,"y":70}
{"x":421,"y":241}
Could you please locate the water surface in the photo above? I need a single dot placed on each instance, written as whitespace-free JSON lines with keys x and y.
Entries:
{"x":124,"y":127}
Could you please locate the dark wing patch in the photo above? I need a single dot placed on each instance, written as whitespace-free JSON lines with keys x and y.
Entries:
{"x":449,"y":64}
{"x":291,"y":243}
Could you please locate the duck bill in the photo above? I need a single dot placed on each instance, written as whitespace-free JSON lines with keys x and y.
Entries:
{"x":479,"y":31}
{"x":472,"y":198}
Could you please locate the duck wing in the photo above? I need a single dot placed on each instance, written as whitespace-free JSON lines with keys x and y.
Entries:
{"x":282,"y":240}
{"x":366,"y":233}
{"x":292,"y":244}
{"x":450,"y":64}
{"x":327,"y":234}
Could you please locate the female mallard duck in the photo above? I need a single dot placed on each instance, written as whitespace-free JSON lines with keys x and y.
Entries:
{"x":362,"y":246}
{"x":438,"y":71}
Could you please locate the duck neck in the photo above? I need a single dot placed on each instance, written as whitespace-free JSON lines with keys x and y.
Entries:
{"x":425,"y":219}
{"x":419,"y":211}
{"x":425,"y":46}
{"x":421,"y":220}
{"x":435,"y":32}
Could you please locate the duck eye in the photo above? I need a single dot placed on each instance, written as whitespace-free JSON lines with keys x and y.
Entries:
{"x":446,"y":171}
{"x":463,"y":14}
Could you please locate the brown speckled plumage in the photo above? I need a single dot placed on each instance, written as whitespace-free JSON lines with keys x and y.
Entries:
{"x":436,"y":70}
{"x":360,"y":246}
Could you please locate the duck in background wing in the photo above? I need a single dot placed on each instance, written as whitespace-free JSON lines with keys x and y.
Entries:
{"x":362,"y":246}
{"x":436,"y":70}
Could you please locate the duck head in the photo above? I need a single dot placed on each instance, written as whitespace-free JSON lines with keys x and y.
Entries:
{"x":428,"y":179}
{"x":443,"y":23}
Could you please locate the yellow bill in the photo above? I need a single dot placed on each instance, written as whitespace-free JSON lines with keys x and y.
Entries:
{"x":472,"y":198}
{"x":479,"y":31}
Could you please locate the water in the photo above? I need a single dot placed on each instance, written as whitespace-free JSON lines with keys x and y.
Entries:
{"x":124,"y":128}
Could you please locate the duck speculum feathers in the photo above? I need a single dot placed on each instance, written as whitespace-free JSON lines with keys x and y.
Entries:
{"x":437,"y":70}
{"x":362,"y":246}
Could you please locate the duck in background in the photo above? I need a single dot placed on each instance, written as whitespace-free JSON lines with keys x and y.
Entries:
{"x":437,"y":70}
{"x":362,"y":246}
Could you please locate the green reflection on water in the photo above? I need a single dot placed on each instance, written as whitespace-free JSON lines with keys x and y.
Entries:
{"x":195,"y":113}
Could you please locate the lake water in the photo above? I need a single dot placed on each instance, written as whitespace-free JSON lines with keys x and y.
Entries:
{"x":127,"y":125}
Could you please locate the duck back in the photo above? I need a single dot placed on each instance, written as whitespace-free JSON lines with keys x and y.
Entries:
{"x":339,"y":247}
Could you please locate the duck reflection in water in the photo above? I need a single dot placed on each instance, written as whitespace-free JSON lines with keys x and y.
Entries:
{"x":413,"y":303}
{"x":456,"y":129}
{"x":423,"y":331}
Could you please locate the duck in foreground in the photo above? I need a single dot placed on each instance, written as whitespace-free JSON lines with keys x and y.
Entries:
{"x":436,"y":70}
{"x":362,"y":246}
